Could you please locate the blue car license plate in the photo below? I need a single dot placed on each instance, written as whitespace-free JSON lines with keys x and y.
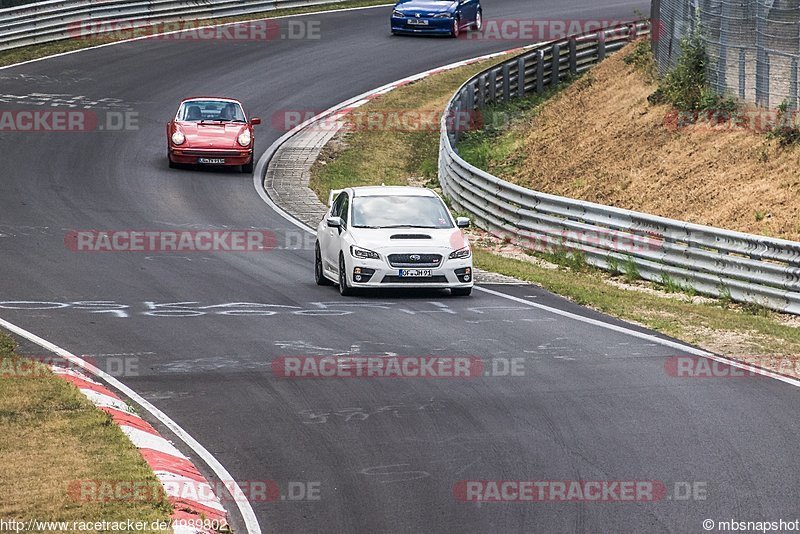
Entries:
{"x":418,"y":22}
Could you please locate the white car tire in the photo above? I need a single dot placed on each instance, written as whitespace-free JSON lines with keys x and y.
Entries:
{"x":344,"y":289}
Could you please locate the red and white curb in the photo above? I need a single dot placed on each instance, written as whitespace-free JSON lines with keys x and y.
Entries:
{"x":190,"y":494}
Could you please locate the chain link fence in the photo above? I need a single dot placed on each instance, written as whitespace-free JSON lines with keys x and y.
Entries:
{"x":753,"y":45}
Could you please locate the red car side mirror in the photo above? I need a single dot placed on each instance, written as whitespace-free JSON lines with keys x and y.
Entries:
{"x":255,"y":121}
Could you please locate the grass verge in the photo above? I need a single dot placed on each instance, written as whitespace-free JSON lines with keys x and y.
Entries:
{"x":364,"y":157}
{"x":28,"y":53}
{"x":386,"y":155}
{"x":53,"y":436}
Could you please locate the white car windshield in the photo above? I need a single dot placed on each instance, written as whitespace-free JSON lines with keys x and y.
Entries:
{"x":210,"y":110}
{"x":400,"y":212}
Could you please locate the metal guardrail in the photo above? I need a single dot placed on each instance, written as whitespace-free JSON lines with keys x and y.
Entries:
{"x":57,"y":20}
{"x":747,"y":268}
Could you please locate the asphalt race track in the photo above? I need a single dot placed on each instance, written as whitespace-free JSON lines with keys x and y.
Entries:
{"x":593,"y":404}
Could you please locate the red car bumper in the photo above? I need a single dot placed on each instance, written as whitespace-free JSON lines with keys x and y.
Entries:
{"x":205,"y":156}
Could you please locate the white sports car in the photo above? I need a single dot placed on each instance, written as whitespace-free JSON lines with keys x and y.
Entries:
{"x":392,"y":237}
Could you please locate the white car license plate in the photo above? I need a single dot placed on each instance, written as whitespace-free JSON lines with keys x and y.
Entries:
{"x":418,"y":22}
{"x":212,"y":161}
{"x":414,"y":273}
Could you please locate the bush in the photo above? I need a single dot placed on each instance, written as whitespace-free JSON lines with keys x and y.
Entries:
{"x":685,"y":86}
{"x":786,"y":132}
{"x":642,"y":59}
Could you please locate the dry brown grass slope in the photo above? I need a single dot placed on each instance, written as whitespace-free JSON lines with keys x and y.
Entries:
{"x":600,"y":140}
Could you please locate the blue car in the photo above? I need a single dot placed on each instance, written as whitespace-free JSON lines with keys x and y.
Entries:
{"x":436,"y":17}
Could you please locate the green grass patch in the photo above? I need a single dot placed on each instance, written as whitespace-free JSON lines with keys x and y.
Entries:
{"x":52,"y":437}
{"x":27,"y":53}
{"x":497,"y":146}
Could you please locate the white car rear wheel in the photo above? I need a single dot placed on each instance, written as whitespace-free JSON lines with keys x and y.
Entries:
{"x":319,"y":274}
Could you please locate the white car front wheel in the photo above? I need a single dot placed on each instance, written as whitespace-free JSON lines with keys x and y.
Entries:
{"x":344,"y":289}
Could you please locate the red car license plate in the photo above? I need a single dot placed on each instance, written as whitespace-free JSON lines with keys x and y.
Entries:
{"x":211,"y":161}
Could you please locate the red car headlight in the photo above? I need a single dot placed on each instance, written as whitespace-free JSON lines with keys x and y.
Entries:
{"x":244,"y":138}
{"x":178,"y":138}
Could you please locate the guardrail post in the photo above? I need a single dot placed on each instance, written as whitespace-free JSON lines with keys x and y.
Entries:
{"x":632,"y":33}
{"x":540,"y":72}
{"x":521,"y":77}
{"x":601,"y":45}
{"x":506,"y":82}
{"x":493,"y":85}
{"x":481,"y":91}
{"x":573,"y":56}
{"x":555,"y":65}
{"x":470,"y":97}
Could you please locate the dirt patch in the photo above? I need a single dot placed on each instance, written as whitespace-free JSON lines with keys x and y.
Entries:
{"x":600,"y":140}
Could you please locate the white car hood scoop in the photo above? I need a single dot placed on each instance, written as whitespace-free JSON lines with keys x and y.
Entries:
{"x":410,"y":236}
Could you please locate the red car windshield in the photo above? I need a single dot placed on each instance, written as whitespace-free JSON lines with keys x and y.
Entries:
{"x":210,"y":110}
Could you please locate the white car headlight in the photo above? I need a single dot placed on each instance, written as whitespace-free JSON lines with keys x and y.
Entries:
{"x":178,"y":138}
{"x":398,"y":14}
{"x":461,"y":254}
{"x":443,"y":16}
{"x":244,"y":138}
{"x":358,"y":252}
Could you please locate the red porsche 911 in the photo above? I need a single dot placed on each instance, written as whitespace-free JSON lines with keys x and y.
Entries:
{"x":211,"y":131}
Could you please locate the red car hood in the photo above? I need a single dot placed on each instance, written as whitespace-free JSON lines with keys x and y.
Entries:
{"x":212,"y":135}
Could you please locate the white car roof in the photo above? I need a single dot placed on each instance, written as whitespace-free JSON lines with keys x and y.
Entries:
{"x":392,"y":190}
